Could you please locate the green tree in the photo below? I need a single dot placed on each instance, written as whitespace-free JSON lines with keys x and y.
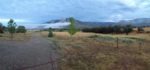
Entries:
{"x":21,"y":29}
{"x":50,"y":34}
{"x":72,"y":29}
{"x":11,"y":27}
{"x":117,"y":29}
{"x":128,"y":29}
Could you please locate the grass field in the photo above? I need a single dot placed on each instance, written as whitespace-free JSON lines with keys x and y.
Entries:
{"x":17,"y":36}
{"x":147,"y":28}
{"x":90,"y":51}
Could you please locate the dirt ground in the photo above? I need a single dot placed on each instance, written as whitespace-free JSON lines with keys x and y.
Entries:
{"x":37,"y":53}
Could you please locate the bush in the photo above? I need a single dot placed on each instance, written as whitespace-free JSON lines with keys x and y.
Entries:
{"x":1,"y":31}
{"x":2,"y":28}
{"x":127,"y":29}
{"x":21,"y":29}
{"x":50,"y":34}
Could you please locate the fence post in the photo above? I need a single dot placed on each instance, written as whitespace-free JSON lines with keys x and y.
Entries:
{"x":117,"y":42}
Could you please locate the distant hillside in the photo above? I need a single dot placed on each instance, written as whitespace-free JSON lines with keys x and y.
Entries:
{"x":141,"y":22}
{"x":57,"y":21}
{"x":81,"y":24}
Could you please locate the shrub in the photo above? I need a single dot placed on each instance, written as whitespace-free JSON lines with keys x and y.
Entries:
{"x":50,"y":34}
{"x":128,"y":29}
{"x":2,"y":28}
{"x":21,"y":29}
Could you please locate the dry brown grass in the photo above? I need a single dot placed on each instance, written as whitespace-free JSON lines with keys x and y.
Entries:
{"x":17,"y":36}
{"x":90,"y":51}
{"x":66,"y":34}
{"x":85,"y":35}
{"x":147,"y":28}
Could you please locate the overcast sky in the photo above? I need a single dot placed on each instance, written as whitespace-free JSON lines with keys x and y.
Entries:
{"x":85,"y":10}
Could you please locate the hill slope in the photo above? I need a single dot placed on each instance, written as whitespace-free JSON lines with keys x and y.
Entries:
{"x":140,"y":22}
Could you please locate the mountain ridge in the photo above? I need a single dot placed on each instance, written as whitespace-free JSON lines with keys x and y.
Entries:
{"x":139,"y":22}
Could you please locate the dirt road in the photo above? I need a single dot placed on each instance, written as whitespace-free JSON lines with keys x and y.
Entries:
{"x":36,"y":53}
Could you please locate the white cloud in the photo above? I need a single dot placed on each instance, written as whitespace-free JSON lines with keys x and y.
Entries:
{"x":144,"y":4}
{"x":129,"y":3}
{"x":86,"y":10}
{"x":136,"y":3}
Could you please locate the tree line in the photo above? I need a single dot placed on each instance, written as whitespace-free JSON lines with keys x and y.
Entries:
{"x":12,"y":28}
{"x":110,"y":29}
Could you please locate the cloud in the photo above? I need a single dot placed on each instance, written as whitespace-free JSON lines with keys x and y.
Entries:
{"x":86,"y":10}
{"x":129,"y":3}
{"x":136,"y":3}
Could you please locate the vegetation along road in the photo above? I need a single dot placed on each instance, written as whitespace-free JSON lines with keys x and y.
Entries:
{"x":37,"y":53}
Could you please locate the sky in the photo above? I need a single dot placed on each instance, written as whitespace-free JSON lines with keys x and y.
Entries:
{"x":40,"y":11}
